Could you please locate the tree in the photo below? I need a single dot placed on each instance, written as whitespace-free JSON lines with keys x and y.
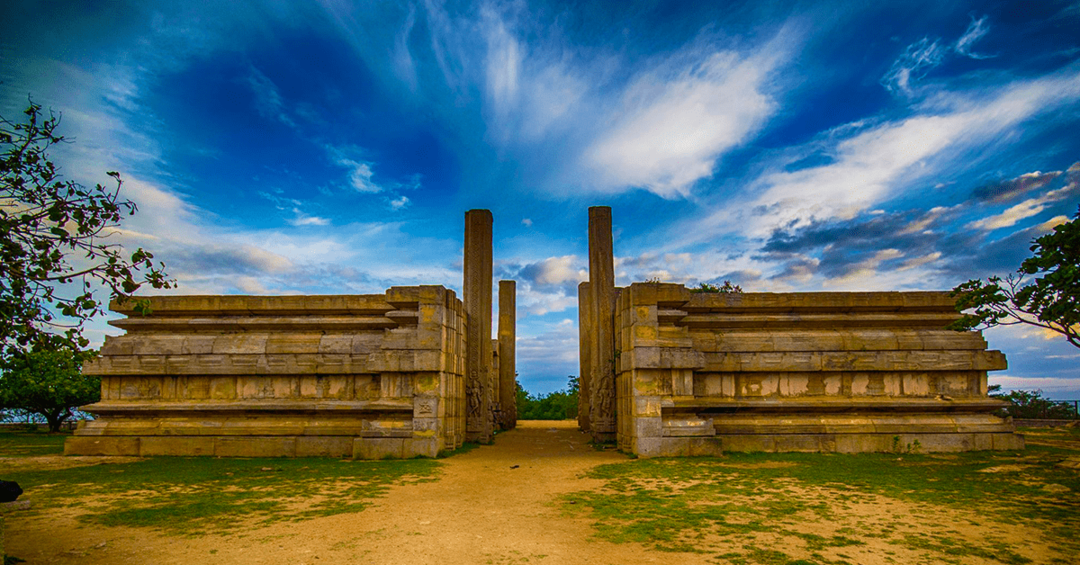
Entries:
{"x":48,"y":382}
{"x":558,"y":405}
{"x":1031,"y":404}
{"x":1050,"y":301}
{"x":726,"y":288}
{"x":54,"y":243}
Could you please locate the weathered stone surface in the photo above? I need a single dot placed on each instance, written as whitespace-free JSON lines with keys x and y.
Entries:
{"x":508,"y":353}
{"x":477,"y":298}
{"x":602,"y":342}
{"x":846,"y":372}
{"x":282,"y":376}
{"x":585,"y":332}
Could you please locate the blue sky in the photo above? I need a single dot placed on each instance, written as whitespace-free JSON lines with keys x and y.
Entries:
{"x":334,"y":146}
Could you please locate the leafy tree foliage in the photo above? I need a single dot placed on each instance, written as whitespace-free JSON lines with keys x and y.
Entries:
{"x":54,"y":243}
{"x":726,"y":288}
{"x":48,"y":382}
{"x":1032,"y":404}
{"x":558,"y":405}
{"x":1050,"y":301}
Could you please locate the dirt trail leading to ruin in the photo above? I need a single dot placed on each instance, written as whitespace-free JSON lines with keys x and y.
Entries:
{"x":497,"y":504}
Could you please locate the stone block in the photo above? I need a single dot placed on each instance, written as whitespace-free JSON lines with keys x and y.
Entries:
{"x":648,"y":446}
{"x":222,"y":388}
{"x":801,"y":443}
{"x":705,"y":446}
{"x":239,"y":344}
{"x":331,"y":446}
{"x":421,"y":447}
{"x":749,"y":443}
{"x":378,"y":448}
{"x":674,"y":447}
{"x":1007,"y":441}
{"x":648,"y":427}
{"x":255,"y":447}
{"x":101,"y":446}
{"x":151,"y":446}
{"x":863,"y":443}
{"x":293,"y":343}
{"x":646,"y":407}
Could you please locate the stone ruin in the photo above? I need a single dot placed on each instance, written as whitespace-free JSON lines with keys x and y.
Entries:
{"x":665,"y":371}
{"x":412,"y":372}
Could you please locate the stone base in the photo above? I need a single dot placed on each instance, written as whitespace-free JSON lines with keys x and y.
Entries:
{"x":238,"y":446}
{"x":825,"y":433}
{"x":825,"y":443}
{"x":266,"y":429}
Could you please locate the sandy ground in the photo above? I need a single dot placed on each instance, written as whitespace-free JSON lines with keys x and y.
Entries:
{"x":500,"y":505}
{"x":495,"y":504}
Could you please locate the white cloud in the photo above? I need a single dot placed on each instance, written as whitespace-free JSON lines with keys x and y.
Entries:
{"x":555,"y":271}
{"x":1023,"y":210}
{"x":1009,"y":217}
{"x":975,"y":31}
{"x":674,"y":123}
{"x":303,"y":219}
{"x":399,"y":203}
{"x":919,"y":261}
{"x":918,"y":59}
{"x":360,"y":174}
{"x":527,"y":222}
{"x":873,"y":165}
{"x":864,"y":269}
{"x":557,"y":343}
{"x":503,"y":63}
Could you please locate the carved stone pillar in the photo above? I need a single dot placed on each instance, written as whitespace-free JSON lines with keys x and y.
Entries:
{"x":585,"y":332}
{"x":477,"y":294}
{"x":507,"y":352}
{"x":602,"y":297}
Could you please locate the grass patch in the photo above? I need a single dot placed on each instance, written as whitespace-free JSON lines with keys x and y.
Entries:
{"x":817,"y":503}
{"x":195,"y":495}
{"x":31,"y":444}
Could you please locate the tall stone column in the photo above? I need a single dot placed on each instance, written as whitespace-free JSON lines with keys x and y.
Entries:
{"x":507,"y":353}
{"x":477,"y":297}
{"x":602,"y":296}
{"x":585,"y":332}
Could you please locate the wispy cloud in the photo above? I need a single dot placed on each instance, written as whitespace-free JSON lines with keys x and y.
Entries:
{"x":268,"y":99}
{"x":877,"y":163}
{"x":302,"y":219}
{"x":1032,"y":206}
{"x":503,"y":61}
{"x":918,"y":59}
{"x":975,"y":31}
{"x":676,"y":120}
{"x":1004,"y":191}
{"x":404,"y":65}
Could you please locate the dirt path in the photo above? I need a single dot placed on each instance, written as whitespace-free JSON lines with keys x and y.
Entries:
{"x":495,"y":504}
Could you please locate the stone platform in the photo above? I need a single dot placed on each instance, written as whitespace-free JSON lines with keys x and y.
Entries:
{"x":365,"y":376}
{"x":704,"y":373}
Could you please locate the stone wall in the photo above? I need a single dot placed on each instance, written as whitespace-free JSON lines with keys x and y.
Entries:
{"x":703,"y":373}
{"x":366,"y":376}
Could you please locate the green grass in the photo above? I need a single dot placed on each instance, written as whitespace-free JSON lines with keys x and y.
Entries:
{"x":194,"y":495}
{"x":715,"y":504}
{"x":30,"y":444}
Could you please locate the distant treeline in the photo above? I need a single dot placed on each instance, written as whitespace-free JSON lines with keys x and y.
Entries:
{"x":558,"y":405}
{"x":1031,"y":404}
